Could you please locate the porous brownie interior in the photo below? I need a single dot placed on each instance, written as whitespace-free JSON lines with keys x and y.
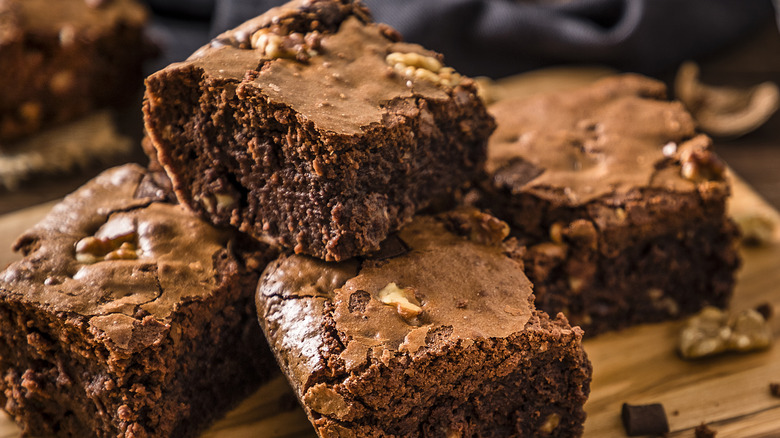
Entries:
{"x":277,"y":148}
{"x":532,"y":384}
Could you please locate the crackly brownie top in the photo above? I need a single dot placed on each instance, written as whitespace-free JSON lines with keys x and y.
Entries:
{"x":67,"y":18}
{"x":610,"y":138}
{"x":327,"y":61}
{"x":112,"y":253}
{"x":446,"y":277}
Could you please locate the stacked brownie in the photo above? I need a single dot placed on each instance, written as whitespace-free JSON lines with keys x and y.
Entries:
{"x":128,"y":316}
{"x":435,"y":335}
{"x":620,"y":202}
{"x":64,"y":58}
{"x":315,"y":129}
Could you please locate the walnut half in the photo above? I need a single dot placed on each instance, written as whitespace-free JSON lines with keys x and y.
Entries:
{"x":712,"y":331}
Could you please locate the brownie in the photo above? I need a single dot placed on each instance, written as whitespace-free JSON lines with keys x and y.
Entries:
{"x":314,"y":128}
{"x":64,"y":58}
{"x":621,"y":203}
{"x":435,"y":335}
{"x":129,"y":317}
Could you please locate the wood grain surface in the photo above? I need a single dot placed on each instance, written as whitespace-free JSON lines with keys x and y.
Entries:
{"x":639,"y":365}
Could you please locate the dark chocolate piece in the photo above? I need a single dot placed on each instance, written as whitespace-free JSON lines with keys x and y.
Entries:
{"x":774,"y":389}
{"x":314,"y":128}
{"x":442,"y":340}
{"x":128,"y":316}
{"x":621,"y":204}
{"x":644,"y":419}
{"x":766,"y":310}
{"x":61,"y":59}
{"x":703,"y":431}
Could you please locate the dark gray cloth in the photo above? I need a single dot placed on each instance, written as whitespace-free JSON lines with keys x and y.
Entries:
{"x":503,"y":37}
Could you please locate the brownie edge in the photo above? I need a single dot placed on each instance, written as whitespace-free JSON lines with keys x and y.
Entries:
{"x":313,"y":128}
{"x":440,"y":338}
{"x":128,"y":316}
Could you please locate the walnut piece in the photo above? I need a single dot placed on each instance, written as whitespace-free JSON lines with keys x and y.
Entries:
{"x":403,"y":299}
{"x":712,"y":331}
{"x":550,"y":423}
{"x":701,"y":165}
{"x":725,"y":111}
{"x":755,"y":229}
{"x":293,"y":46}
{"x":416,"y":66}
{"x":94,"y":249}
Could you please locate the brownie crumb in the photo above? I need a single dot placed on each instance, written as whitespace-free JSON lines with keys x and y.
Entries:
{"x":644,"y":419}
{"x":702,"y":431}
{"x":774,"y":389}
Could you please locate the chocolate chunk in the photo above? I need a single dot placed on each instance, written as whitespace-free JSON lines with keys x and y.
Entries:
{"x":702,"y":431}
{"x":644,"y":419}
{"x":774,"y":389}
{"x":766,"y":310}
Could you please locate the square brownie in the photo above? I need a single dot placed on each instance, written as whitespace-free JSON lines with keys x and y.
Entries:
{"x":128,"y":316}
{"x":621,"y":203}
{"x":314,"y":128}
{"x":434,"y":335}
{"x":64,"y":58}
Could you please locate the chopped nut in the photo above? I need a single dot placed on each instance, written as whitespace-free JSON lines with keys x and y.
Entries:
{"x":725,"y":111}
{"x":550,"y":423}
{"x":62,"y":82}
{"x":575,"y":284}
{"x":556,"y":232}
{"x":31,"y":112}
{"x":404,"y":300}
{"x":224,"y":201}
{"x":417,"y":66}
{"x":478,"y":226}
{"x":293,"y":46}
{"x":208,"y":203}
{"x":755,"y":230}
{"x":749,"y":332}
{"x":712,"y":331}
{"x":126,"y":251}
{"x":67,"y":35}
{"x":701,"y":165}
{"x":92,"y":249}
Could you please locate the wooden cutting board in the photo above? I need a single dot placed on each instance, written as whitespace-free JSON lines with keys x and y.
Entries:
{"x":637,"y":366}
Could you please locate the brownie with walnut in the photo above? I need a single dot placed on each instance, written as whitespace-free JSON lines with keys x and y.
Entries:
{"x":64,"y":58}
{"x":314,"y":128}
{"x":434,"y":335}
{"x":128,"y":316}
{"x":620,"y":202}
